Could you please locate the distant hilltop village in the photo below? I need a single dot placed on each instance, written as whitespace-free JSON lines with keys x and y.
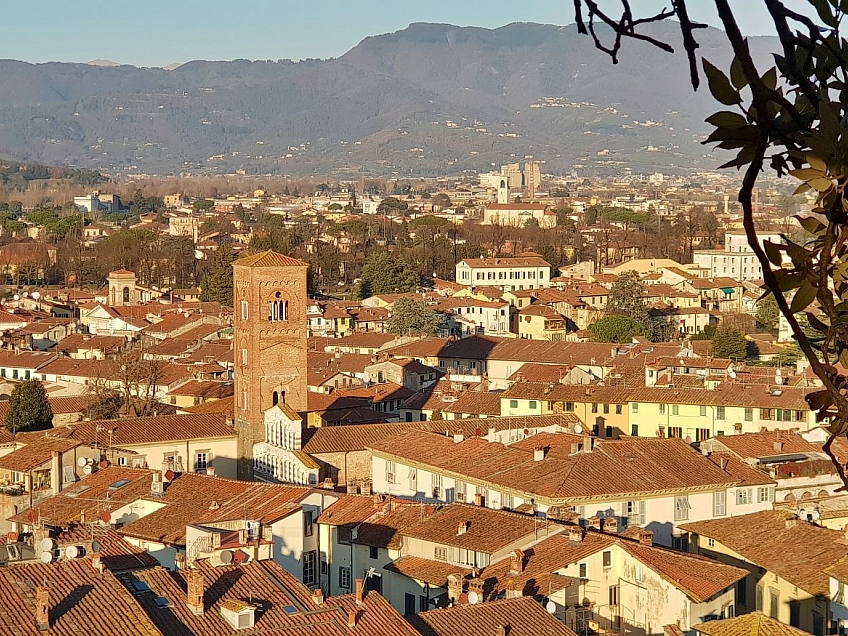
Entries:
{"x":509,"y":404}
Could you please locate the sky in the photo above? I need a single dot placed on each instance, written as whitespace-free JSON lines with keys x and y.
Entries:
{"x":161,"y":32}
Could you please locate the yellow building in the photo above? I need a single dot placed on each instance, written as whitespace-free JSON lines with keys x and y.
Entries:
{"x":540,"y":322}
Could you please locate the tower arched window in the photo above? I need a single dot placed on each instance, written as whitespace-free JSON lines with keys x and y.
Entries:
{"x":126,"y":295}
{"x":275,"y":398}
{"x":278,"y":309}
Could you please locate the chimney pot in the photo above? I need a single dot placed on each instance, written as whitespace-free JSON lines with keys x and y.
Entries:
{"x":454,"y":587}
{"x":538,"y":454}
{"x":359,"y":585}
{"x":646,"y":537}
{"x":351,"y":619}
{"x":500,"y":630}
{"x":478,"y":499}
{"x":516,"y":562}
{"x":318,"y":596}
{"x":595,"y":522}
{"x":458,"y":437}
{"x":42,"y":608}
{"x":210,"y":470}
{"x":463,"y":526}
{"x":611,"y":525}
{"x":778,"y":447}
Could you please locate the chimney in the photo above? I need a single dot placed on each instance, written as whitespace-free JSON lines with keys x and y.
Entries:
{"x":458,"y":437}
{"x":352,"y":488}
{"x":378,"y":500}
{"x":646,"y":537}
{"x":778,"y":447}
{"x":575,"y":534}
{"x":454,"y":587}
{"x":476,"y":585}
{"x":491,"y":433}
{"x":595,"y":522}
{"x":463,"y":526}
{"x":210,"y":471}
{"x":365,"y":487}
{"x":351,"y":618}
{"x":478,"y":499}
{"x":587,"y":443}
{"x":96,"y":563}
{"x":723,"y":462}
{"x":318,"y":596}
{"x":195,"y":594}
{"x":42,"y":608}
{"x":512,"y":590}
{"x":56,"y":471}
{"x":538,"y":454}
{"x":611,"y":525}
{"x":516,"y":562}
{"x":575,"y":448}
{"x":359,"y":585}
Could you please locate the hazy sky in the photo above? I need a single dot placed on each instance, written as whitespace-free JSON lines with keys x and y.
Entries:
{"x":159,"y":32}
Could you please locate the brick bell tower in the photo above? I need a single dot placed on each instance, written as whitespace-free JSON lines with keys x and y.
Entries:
{"x":270,"y":343}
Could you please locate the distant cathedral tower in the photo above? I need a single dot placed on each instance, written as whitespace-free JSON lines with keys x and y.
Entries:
{"x":270,"y":332}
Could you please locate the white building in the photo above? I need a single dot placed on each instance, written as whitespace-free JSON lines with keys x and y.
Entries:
{"x":736,"y":260}
{"x":278,"y":458}
{"x":509,"y":274}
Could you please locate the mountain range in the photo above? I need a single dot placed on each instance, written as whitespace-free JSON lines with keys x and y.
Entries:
{"x":431,"y":99}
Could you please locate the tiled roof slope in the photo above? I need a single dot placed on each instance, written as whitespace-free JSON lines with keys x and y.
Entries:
{"x":150,"y":430}
{"x":753,"y":624}
{"x":269,"y":258}
{"x":778,"y":541}
{"x":278,"y":590}
{"x":652,"y":465}
{"x":520,"y":616}
{"x":81,"y":601}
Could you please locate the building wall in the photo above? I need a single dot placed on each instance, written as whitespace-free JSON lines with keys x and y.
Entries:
{"x":223,"y":453}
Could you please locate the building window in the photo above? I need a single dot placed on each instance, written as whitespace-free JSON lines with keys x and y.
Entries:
{"x":635,"y":513}
{"x":244,"y":357}
{"x":244,"y":400}
{"x":532,"y":405}
{"x":308,"y":525}
{"x":391,"y":472}
{"x":344,"y":578}
{"x":613,"y":596}
{"x":675,"y":409}
{"x":513,"y":404}
{"x":719,"y":412}
{"x":759,"y":600}
{"x":703,"y":411}
{"x":606,"y":409}
{"x":743,"y":496}
{"x":201,"y":460}
{"x":710,"y":543}
{"x":774,"y":602}
{"x":441,"y":553}
{"x":245,"y":310}
{"x":569,"y":406}
{"x":681,"y":508}
{"x":675,"y":431}
{"x":634,"y":407}
{"x":640,"y":574}
{"x":594,"y":407}
{"x":634,"y":430}
{"x":661,"y":409}
{"x":618,"y":409}
{"x":310,"y":559}
{"x":608,"y":432}
{"x":607,"y":558}
{"x":583,"y":570}
{"x":764,"y":494}
{"x":749,"y":415}
{"x":437,"y":485}
{"x":373,"y":552}
{"x":719,"y":503}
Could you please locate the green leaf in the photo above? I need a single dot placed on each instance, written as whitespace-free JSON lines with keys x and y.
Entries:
{"x":812,"y":225}
{"x":770,"y":78}
{"x":821,"y":184}
{"x":807,"y":174}
{"x":772,"y":251}
{"x":802,"y":188}
{"x":737,"y":75}
{"x":720,"y":86}
{"x":816,"y":163}
{"x":727,"y":119}
{"x":817,"y":324}
{"x":803,"y":297}
{"x":824,"y":10}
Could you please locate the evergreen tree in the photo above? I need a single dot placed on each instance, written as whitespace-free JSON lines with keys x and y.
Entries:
{"x":767,"y":313}
{"x":217,"y":285}
{"x":29,"y":409}
{"x":385,"y":273}
{"x":413,"y":317}
{"x":729,"y":343}
{"x":616,"y":329}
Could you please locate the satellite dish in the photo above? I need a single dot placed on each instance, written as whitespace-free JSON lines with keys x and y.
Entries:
{"x":815,"y":515}
{"x":46,"y":544}
{"x":578,"y":429}
{"x":473,"y":598}
{"x":36,"y":295}
{"x":732,"y":375}
{"x":16,"y":297}
{"x":104,"y":463}
{"x":688,"y":439}
{"x":95,"y":546}
{"x":47,"y":557}
{"x":86,"y":469}
{"x":802,"y":513}
{"x":82,"y":461}
{"x":105,"y":516}
{"x":73,"y":551}
{"x":25,"y":294}
{"x":550,"y":607}
{"x":169,"y":474}
{"x":226,"y":557}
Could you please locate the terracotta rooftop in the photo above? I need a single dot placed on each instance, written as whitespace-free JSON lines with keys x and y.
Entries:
{"x":476,"y":403}
{"x":753,"y":624}
{"x":765,"y":444}
{"x":519,"y":616}
{"x":653,"y":464}
{"x":148,"y":430}
{"x":35,"y":454}
{"x":269,"y":258}
{"x":290,"y":609}
{"x":435,"y":573}
{"x":778,"y":541}
{"x":80,"y":600}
